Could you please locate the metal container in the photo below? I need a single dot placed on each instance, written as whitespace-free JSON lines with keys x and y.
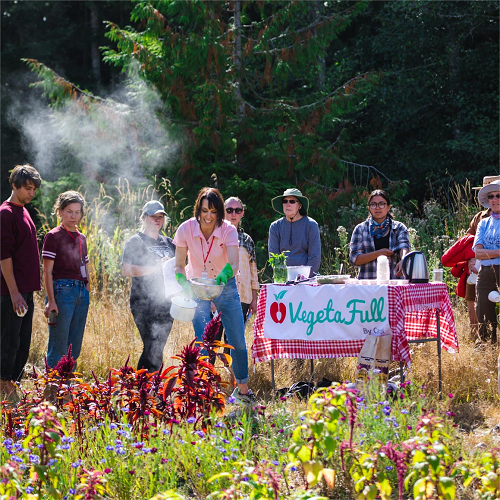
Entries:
{"x":293,"y":271}
{"x":415,"y":268}
{"x":183,"y":308}
{"x":206,"y":289}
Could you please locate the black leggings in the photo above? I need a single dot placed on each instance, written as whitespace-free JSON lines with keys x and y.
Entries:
{"x":15,"y":338}
{"x":154,"y":323}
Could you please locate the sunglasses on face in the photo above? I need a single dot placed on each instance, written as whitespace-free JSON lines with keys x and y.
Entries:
{"x":491,"y":196}
{"x":374,"y":205}
{"x":292,"y":202}
{"x":235,"y":210}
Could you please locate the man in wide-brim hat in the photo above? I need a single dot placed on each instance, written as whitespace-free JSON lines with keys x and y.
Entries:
{"x":295,"y":233}
{"x":470,"y":290}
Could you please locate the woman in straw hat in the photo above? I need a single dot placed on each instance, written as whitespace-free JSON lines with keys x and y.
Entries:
{"x":487,"y":249}
{"x":470,"y":287}
{"x":295,"y":233}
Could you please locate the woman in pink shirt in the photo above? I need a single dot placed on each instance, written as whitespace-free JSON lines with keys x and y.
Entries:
{"x":210,"y":244}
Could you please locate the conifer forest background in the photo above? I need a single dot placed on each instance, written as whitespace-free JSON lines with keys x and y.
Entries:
{"x":335,"y":98}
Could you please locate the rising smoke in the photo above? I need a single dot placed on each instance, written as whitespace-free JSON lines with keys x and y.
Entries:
{"x":124,"y":135}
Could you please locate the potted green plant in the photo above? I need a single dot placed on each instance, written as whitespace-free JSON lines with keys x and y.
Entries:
{"x":278,"y":263}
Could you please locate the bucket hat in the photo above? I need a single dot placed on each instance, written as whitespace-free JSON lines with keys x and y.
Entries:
{"x":153,"y":207}
{"x":488,"y":180}
{"x":489,"y":188}
{"x":277,"y":203}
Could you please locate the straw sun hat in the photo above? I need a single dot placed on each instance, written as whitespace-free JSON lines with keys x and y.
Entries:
{"x":491,"y":187}
{"x":488,"y":180}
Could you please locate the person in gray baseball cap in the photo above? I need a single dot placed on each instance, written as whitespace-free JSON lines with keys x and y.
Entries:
{"x":296,"y":232}
{"x":142,"y":261}
{"x":153,"y":207}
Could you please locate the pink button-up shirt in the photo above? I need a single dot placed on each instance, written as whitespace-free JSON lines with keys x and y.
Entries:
{"x":212,"y":251}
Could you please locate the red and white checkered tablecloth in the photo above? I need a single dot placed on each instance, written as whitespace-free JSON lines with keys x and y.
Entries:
{"x":412,"y":315}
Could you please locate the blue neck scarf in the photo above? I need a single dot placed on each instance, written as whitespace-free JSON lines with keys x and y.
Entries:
{"x":495,"y":216}
{"x":378,"y":230}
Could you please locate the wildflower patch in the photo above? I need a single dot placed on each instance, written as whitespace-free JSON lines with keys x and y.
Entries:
{"x":335,"y":312}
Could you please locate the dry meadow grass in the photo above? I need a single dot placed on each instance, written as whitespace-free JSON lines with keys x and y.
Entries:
{"x":470,"y":375}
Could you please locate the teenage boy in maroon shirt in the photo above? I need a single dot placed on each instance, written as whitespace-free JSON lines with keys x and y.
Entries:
{"x":19,"y":277}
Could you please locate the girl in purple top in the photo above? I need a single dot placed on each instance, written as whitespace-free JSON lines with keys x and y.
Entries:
{"x":66,"y":278}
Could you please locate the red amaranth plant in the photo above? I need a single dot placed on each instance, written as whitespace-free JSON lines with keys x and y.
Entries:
{"x":401,"y":461}
{"x":193,"y":387}
{"x":66,"y":365}
{"x":189,"y":390}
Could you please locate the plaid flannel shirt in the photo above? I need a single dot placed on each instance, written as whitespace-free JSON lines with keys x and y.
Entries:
{"x":362,"y":243}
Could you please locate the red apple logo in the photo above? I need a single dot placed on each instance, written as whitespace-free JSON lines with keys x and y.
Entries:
{"x":278,"y":309}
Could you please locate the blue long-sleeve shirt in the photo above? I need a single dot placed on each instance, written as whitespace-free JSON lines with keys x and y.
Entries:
{"x":300,"y":238}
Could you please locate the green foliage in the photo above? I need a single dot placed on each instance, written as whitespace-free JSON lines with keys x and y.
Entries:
{"x":434,"y":114}
{"x":115,"y":439}
{"x":481,"y":474}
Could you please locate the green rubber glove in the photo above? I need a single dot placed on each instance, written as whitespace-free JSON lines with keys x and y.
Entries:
{"x":182,"y":280}
{"x":225,"y":274}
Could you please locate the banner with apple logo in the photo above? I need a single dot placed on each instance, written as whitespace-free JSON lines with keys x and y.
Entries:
{"x":327,"y":312}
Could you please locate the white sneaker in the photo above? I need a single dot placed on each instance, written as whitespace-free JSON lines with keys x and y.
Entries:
{"x":245,"y":399}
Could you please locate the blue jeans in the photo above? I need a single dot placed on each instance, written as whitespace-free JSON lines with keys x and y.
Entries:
{"x":228,"y":303}
{"x":72,"y":299}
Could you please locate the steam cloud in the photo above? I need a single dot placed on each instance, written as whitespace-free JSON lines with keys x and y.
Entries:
{"x":119,"y":136}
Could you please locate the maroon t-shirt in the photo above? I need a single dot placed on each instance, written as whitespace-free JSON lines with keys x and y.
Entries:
{"x":19,"y":243}
{"x":63,"y":247}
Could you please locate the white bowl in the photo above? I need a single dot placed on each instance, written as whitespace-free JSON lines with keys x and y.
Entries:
{"x":293,"y":271}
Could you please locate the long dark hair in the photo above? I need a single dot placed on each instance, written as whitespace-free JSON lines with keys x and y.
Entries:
{"x":383,"y":194}
{"x":215,"y":200}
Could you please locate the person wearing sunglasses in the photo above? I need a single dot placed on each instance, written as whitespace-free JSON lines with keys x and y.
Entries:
{"x":295,"y":233}
{"x":247,"y":280}
{"x":463,"y":268}
{"x":487,"y":249}
{"x":378,"y":235}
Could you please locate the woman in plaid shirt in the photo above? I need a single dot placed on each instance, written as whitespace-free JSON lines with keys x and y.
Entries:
{"x":378,"y":235}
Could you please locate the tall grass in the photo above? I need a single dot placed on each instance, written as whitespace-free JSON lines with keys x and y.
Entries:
{"x":111,"y":336}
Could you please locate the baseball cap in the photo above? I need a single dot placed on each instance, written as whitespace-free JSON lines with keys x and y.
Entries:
{"x":153,"y":207}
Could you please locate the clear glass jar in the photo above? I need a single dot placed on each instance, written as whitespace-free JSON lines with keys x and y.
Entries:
{"x":279,"y":272}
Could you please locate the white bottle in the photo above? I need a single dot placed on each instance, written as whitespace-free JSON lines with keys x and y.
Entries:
{"x":383,"y":272}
